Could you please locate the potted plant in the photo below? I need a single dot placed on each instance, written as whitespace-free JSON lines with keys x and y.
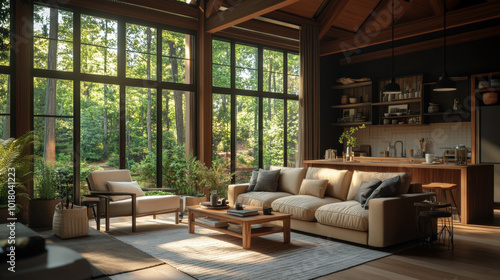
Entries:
{"x":15,"y":171}
{"x":350,"y":141}
{"x":214,"y":178}
{"x":45,"y":194}
{"x":191,"y":192}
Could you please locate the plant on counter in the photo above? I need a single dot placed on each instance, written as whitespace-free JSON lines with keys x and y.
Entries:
{"x":350,"y":139}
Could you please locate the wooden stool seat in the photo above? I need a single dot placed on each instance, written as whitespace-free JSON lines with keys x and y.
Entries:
{"x":444,"y":188}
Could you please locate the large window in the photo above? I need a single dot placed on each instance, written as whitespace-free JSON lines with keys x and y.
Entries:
{"x":255,"y":106}
{"x":5,"y":73}
{"x":109,"y":92}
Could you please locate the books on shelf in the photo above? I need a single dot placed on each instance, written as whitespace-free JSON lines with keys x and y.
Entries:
{"x":213,"y":222}
{"x":243,"y":213}
{"x":238,"y":228}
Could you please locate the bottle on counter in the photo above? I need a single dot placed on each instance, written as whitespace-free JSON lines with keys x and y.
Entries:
{"x":461,"y":155}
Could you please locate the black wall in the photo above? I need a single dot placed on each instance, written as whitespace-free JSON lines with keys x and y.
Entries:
{"x":462,"y":60}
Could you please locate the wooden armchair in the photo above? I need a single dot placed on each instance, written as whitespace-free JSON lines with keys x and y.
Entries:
{"x":124,"y":197}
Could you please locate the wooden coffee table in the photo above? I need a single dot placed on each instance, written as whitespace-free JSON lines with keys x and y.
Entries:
{"x":246,"y":223}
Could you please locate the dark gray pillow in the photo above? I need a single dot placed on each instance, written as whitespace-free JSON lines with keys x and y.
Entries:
{"x":267,"y":181}
{"x":389,"y":188}
{"x":365,"y":190}
{"x":253,"y":181}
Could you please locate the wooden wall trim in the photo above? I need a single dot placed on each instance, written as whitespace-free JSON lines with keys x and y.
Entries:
{"x":456,"y":18}
{"x":242,"y":12}
{"x":425,"y":45}
{"x":135,"y":12}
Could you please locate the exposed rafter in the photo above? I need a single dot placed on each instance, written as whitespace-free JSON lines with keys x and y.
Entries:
{"x":290,"y":18}
{"x":481,"y":12}
{"x":213,"y":7}
{"x":380,"y":17}
{"x":330,"y":14}
{"x":242,"y":12}
{"x":171,"y":6}
{"x":437,"y":7}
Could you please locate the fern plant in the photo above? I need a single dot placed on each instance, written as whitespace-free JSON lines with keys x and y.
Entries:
{"x":13,"y":159}
{"x":215,"y":177}
{"x":46,"y":183}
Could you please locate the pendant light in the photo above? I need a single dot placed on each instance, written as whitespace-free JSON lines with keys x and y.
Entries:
{"x":445,"y":83}
{"x":392,"y":87}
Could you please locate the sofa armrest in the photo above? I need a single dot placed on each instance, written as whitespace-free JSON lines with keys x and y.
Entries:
{"x":415,"y":188}
{"x":391,"y":220}
{"x":234,"y":190}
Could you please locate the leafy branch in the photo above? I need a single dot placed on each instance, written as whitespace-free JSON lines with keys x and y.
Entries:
{"x":351,"y":140}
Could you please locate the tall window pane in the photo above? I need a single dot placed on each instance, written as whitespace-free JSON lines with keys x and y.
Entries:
{"x":99,"y":128}
{"x":247,"y":137}
{"x":246,"y":69}
{"x":53,"y":39}
{"x":99,"y":45}
{"x":221,"y":127}
{"x":141,"y":52}
{"x":273,"y":71}
{"x":221,"y":64}
{"x":141,"y":134}
{"x":5,"y":29}
{"x":293,"y":73}
{"x":176,"y":57}
{"x":292,"y":132}
{"x":5,"y":106}
{"x":273,"y":134}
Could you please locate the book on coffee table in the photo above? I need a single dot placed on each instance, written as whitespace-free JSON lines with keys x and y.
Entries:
{"x":243,"y":213}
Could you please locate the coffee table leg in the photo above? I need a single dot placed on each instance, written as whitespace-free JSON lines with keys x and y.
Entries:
{"x":190,"y":221}
{"x":286,"y":230}
{"x":247,"y":235}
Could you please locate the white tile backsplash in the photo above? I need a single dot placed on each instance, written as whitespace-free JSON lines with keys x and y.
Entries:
{"x":437,"y":135}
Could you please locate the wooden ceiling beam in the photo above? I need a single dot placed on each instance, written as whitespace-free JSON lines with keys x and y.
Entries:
{"x":437,"y":7}
{"x":335,"y":32}
{"x":425,"y":45}
{"x":381,"y":18}
{"x":242,"y":12}
{"x":331,"y":12}
{"x":290,"y":18}
{"x":171,"y":6}
{"x":260,"y":38}
{"x":269,"y":28}
{"x":213,"y":7}
{"x":478,"y":13}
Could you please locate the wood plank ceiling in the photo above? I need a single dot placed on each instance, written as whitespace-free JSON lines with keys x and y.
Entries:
{"x":346,"y":24}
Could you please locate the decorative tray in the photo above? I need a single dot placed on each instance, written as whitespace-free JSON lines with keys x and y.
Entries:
{"x":207,"y":205}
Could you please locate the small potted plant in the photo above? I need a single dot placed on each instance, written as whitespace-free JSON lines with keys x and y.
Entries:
{"x":215,"y":178}
{"x":350,"y":141}
{"x":45,"y":196}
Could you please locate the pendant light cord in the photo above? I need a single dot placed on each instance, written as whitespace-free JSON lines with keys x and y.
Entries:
{"x":444,"y":33}
{"x":393,"y":79}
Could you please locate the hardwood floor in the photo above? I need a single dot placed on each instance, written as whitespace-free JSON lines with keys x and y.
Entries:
{"x":476,"y":256}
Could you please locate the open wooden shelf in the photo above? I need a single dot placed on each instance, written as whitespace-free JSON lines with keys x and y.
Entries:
{"x":487,"y":89}
{"x":352,"y":124}
{"x":351,"y":105}
{"x":398,"y":102}
{"x":403,"y":116}
{"x":354,"y":85}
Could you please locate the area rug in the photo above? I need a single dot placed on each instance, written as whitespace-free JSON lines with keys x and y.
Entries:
{"x":209,"y":254}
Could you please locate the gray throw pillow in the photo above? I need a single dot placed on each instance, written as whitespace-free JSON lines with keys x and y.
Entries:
{"x":389,"y":188}
{"x":253,"y":181}
{"x":365,"y":190}
{"x":267,"y":181}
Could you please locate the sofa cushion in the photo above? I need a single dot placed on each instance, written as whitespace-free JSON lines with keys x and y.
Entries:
{"x":129,"y":187}
{"x":302,"y":207}
{"x":314,"y":187}
{"x":387,"y":188}
{"x":260,"y":199}
{"x":144,"y":204}
{"x":365,"y":190}
{"x":253,"y":181}
{"x":359,"y":176}
{"x":267,"y":181}
{"x":345,"y":214}
{"x":338,"y":180}
{"x":290,"y":178}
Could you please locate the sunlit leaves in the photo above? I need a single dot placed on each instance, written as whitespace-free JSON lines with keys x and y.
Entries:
{"x":292,"y":132}
{"x":293,"y":74}
{"x":221,"y":125}
{"x":273,"y":135}
{"x":246,"y":73}
{"x":221,"y":64}
{"x":64,"y":97}
{"x":99,"y":45}
{"x":273,"y":71}
{"x":176,"y":57}
{"x":141,"y":52}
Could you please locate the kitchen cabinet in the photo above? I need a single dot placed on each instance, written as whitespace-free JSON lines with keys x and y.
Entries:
{"x":402,"y":109}
{"x":353,"y":113}
{"x":453,"y":106}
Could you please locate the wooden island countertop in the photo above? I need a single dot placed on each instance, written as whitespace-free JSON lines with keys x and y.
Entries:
{"x":474,"y":193}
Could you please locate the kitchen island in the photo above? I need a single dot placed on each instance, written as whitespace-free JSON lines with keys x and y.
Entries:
{"x":474,"y":192}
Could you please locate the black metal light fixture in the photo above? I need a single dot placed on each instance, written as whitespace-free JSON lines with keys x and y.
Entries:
{"x":445,"y":83}
{"x":392,"y":87}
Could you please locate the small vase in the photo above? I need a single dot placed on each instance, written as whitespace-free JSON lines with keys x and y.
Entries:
{"x":349,"y":154}
{"x":344,"y":99}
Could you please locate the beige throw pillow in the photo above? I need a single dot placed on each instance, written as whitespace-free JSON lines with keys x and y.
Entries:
{"x":314,"y":187}
{"x":129,"y":187}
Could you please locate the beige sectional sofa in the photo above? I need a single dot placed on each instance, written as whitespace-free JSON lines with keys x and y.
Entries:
{"x":387,"y":221}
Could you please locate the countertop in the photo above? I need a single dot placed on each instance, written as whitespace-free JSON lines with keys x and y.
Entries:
{"x":391,"y":162}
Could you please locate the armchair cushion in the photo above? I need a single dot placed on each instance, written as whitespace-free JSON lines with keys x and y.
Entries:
{"x":97,"y":179}
{"x":144,"y":205}
{"x":131,"y":187}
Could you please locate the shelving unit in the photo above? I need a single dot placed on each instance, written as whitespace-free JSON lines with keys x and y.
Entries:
{"x":446,"y":102}
{"x":346,"y":115}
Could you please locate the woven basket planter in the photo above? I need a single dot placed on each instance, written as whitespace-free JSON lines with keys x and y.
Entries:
{"x":69,"y":223}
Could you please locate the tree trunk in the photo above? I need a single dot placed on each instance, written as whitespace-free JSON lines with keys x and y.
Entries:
{"x":105,"y":121}
{"x":270,"y":76}
{"x":179,"y":118}
{"x":148,"y":76}
{"x":49,"y":152}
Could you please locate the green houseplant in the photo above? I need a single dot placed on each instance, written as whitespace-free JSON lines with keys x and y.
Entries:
{"x":45,"y":196}
{"x":350,"y":140}
{"x":215,"y":177}
{"x":13,"y":159}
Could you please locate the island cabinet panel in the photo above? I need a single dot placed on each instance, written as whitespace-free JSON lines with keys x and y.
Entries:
{"x":473,"y":195}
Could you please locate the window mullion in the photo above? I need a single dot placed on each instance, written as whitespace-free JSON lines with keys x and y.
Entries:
{"x":260,"y":66}
{"x":159,"y":109}
{"x":121,"y":70}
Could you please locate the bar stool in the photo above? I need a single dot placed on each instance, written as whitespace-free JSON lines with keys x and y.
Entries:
{"x":444,"y":188}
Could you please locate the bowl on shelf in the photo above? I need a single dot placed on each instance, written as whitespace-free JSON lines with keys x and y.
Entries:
{"x":490,"y":98}
{"x":399,"y":114}
{"x":353,"y":100}
{"x":386,"y":114}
